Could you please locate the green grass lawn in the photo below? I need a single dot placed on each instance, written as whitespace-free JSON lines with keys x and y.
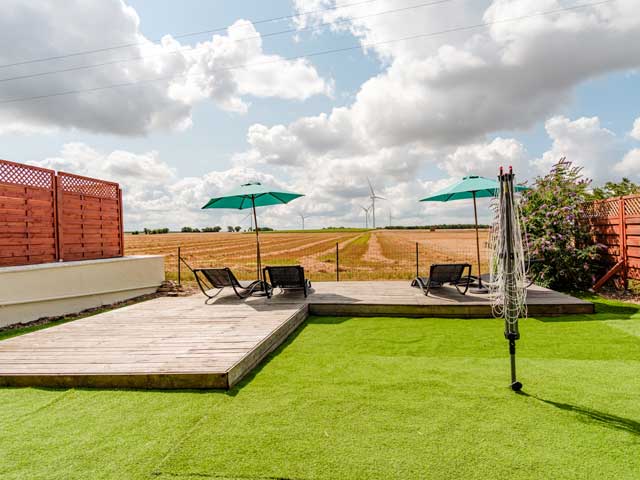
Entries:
{"x":363,"y":398}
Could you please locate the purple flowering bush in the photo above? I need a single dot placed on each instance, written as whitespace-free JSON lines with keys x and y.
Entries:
{"x":552,"y":218}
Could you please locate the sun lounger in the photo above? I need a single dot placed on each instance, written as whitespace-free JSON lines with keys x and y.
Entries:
{"x":439,"y":274}
{"x":220,"y":278}
{"x":287,"y":278}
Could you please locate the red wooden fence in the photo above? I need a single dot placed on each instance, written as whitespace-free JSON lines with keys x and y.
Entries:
{"x":616,"y":224}
{"x":46,"y":217}
{"x":27,"y":215}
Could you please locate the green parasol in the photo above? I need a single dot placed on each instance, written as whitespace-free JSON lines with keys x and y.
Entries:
{"x":252,"y":195}
{"x":472,"y":186}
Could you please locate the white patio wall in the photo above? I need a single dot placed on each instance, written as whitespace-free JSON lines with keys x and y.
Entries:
{"x":31,"y":292}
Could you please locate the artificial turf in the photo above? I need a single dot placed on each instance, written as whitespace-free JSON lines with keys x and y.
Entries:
{"x":363,"y":398}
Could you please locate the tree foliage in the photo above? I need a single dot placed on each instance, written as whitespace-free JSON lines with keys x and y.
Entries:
{"x":616,"y":189}
{"x":556,"y":234}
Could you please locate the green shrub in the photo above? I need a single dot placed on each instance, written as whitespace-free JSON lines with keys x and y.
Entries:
{"x":556,"y":233}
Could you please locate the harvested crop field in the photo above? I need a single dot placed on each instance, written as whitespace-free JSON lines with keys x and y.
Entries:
{"x":362,"y":255}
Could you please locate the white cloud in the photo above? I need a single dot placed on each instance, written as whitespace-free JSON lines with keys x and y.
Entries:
{"x":630,"y":164}
{"x":142,"y":177}
{"x":335,"y":184}
{"x":125,"y":167}
{"x":486,"y":159}
{"x":154,"y":195}
{"x":433,"y":111}
{"x":438,"y":102}
{"x":635,"y":131}
{"x":584,"y":142}
{"x":456,"y":89}
{"x":207,"y":70}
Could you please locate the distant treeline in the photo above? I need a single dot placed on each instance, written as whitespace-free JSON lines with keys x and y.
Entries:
{"x":343,"y":228}
{"x":444,"y":226}
{"x":149,"y":231}
{"x":215,"y":229}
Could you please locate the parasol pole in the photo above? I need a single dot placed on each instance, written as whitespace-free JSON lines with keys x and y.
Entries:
{"x":480,"y":288}
{"x":255,"y":223}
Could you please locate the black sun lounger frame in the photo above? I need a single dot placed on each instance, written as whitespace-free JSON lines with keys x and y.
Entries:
{"x":220,"y":278}
{"x":287,"y":278}
{"x":441,"y":273}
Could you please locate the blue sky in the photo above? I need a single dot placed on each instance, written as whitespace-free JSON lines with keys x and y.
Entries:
{"x":395,"y":114}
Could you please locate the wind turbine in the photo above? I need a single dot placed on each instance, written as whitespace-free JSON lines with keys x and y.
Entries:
{"x":302,"y":217}
{"x":373,"y":198}
{"x":366,"y":216}
{"x":250,"y":216}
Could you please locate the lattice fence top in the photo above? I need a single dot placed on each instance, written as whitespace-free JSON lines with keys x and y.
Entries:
{"x":610,"y":208}
{"x":88,"y":186}
{"x":632,"y":206}
{"x":603,"y":209}
{"x":25,"y":175}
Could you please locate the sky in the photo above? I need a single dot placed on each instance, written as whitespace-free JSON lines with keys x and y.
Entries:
{"x":181,"y":101}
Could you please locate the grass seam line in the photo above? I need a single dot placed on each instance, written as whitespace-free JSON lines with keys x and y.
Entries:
{"x":176,"y":446}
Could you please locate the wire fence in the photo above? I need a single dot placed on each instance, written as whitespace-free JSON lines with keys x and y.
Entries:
{"x":338,"y":256}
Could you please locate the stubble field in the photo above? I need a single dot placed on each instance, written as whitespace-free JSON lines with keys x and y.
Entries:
{"x":362,"y":255}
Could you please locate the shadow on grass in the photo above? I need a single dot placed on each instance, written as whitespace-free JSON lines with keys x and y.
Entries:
{"x":268,"y":359}
{"x":601,"y":418}
{"x":327,"y":320}
{"x":604,"y":311}
{"x":311,"y":320}
{"x":622,"y":310}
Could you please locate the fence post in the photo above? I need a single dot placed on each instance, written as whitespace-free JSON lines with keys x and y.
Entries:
{"x":59,"y":217}
{"x":54,"y":204}
{"x":417,"y":261}
{"x":337,"y":263}
{"x":179,"y":283}
{"x":121,"y":222}
{"x":623,"y":244}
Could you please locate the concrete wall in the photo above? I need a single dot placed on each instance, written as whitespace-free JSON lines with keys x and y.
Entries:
{"x":31,"y":292}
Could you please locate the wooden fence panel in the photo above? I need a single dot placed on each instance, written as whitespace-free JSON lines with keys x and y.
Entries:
{"x":27,"y":214}
{"x":46,"y":217}
{"x":90,"y":218}
{"x":616,"y":224}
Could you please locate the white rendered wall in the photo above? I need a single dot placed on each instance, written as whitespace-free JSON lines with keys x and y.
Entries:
{"x":31,"y":292}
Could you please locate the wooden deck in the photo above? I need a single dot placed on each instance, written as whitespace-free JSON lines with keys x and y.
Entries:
{"x":399,"y":299}
{"x":183,"y":343}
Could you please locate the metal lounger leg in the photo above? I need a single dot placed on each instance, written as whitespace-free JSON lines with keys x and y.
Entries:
{"x":267,"y":286}
{"x":425,"y":288}
{"x":209,"y":297}
{"x":466,"y":287}
{"x":239,"y":294}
